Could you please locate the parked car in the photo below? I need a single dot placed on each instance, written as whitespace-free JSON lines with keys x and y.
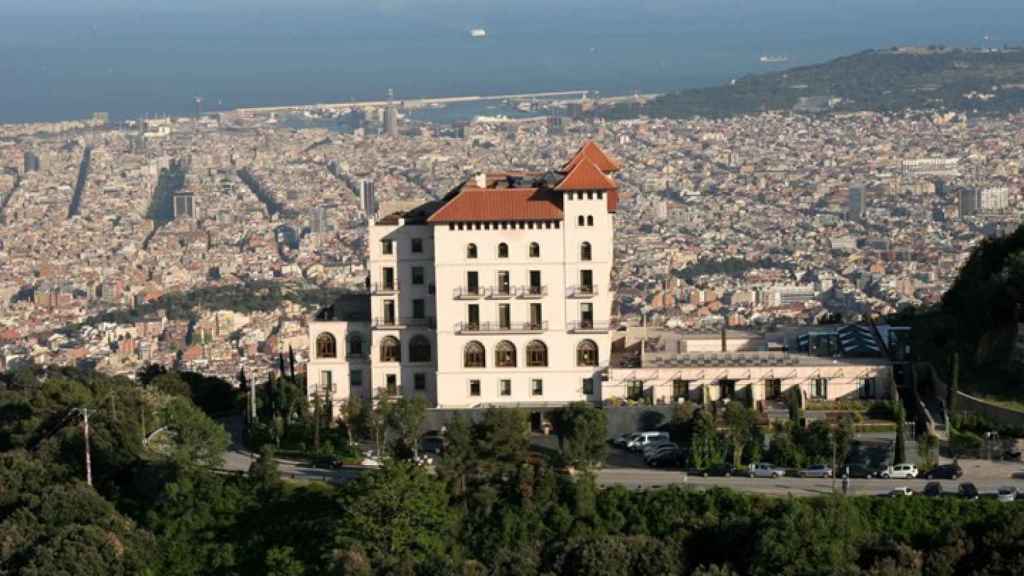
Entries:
{"x":1007,"y":494}
{"x":766,"y":470}
{"x":652,"y":451}
{"x":947,"y":471}
{"x":933,"y":489}
{"x":658,"y":444}
{"x":816,"y":471}
{"x":858,"y":470}
{"x":901,"y":491}
{"x":968,"y":491}
{"x":905,"y":471}
{"x":622,"y":440}
{"x":433,"y":444}
{"x":716,"y":470}
{"x":670,"y":457}
{"x":644,"y":438}
{"x":370,"y":460}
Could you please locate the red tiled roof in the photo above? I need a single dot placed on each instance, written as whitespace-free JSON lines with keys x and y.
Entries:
{"x":592,"y":152}
{"x":586,"y":176}
{"x":474,"y":204}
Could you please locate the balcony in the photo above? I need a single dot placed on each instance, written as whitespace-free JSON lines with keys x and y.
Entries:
{"x":425,"y":322}
{"x":500,"y":328}
{"x":386,"y":322}
{"x":385,"y":288}
{"x":470,"y":293}
{"x":499,"y":292}
{"x":582,"y":291}
{"x":530,"y":292}
{"x":589,"y":327}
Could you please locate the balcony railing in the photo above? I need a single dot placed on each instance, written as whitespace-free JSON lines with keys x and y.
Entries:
{"x":531,"y":291}
{"x":500,"y":292}
{"x":470,"y":293}
{"x":589,"y":327}
{"x":385,"y":287}
{"x":582,"y":291}
{"x":425,"y":322}
{"x":500,"y":327}
{"x":385,"y":322}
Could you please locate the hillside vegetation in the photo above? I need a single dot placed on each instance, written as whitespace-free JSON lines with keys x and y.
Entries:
{"x":875,"y":80}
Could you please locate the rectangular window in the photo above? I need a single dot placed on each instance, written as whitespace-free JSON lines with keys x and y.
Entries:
{"x":326,"y":381}
{"x":419,"y":381}
{"x":680,"y":390}
{"x":392,"y":384}
{"x":417,"y":275}
{"x":537,"y":387}
{"x":586,"y":281}
{"x":635,"y":390}
{"x":536,"y":316}
{"x":588,"y":386}
{"x":867,"y":388}
{"x":504,"y":286}
{"x":355,"y":378}
{"x":389,"y":278}
{"x":535,"y":282}
{"x":504,"y":316}
{"x":472,"y":282}
{"x":586,"y":315}
{"x":474,"y":387}
{"x":417,"y":245}
{"x":821,"y":388}
{"x":473,"y":316}
{"x":419,"y":309}
{"x":385,"y":247}
{"x":505,"y":386}
{"x":389,"y":312}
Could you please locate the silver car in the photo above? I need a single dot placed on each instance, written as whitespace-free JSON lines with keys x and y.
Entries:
{"x":816,"y":471}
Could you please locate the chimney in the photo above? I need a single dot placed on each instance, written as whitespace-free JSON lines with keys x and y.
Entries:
{"x":480,"y":180}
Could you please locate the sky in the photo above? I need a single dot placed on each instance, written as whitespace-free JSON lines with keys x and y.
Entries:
{"x":62,"y":58}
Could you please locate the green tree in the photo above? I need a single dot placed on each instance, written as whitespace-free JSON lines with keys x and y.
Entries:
{"x":281,"y":561}
{"x":264,"y":471}
{"x":397,"y":512}
{"x":584,"y":430}
{"x":502,"y":439}
{"x":405,"y":418}
{"x":459,"y":455}
{"x":901,"y":440}
{"x":187,"y":436}
{"x":741,"y":424}
{"x":705,"y":444}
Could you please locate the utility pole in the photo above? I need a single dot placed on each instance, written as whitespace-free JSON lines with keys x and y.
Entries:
{"x":832,"y":435}
{"x":88,"y":455}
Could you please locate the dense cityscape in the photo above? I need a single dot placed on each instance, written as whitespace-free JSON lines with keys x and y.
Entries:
{"x":754,"y":222}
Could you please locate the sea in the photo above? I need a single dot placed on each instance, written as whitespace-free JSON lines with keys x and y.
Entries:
{"x":67,"y":59}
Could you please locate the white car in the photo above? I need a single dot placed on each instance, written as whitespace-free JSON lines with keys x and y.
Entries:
{"x":1007,"y":494}
{"x":904,"y":471}
{"x":901,"y":491}
{"x":766,"y":470}
{"x":644,"y":438}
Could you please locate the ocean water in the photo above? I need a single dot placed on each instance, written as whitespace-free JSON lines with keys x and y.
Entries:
{"x":68,"y":58}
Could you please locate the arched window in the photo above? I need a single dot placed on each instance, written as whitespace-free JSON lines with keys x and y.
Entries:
{"x":534,"y":250}
{"x":585,"y":253}
{"x":326,"y":346}
{"x":580,"y":221}
{"x":590,"y":220}
{"x":505,"y":354}
{"x":355,"y":345}
{"x":586,"y":353}
{"x":419,"y":349}
{"x":536,"y":354}
{"x":471,"y":251}
{"x":390,"y":350}
{"x":502,"y":250}
{"x":473,"y":355}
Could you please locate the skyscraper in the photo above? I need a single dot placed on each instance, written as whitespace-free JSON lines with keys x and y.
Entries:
{"x":968,"y":202}
{"x":855,"y":202}
{"x":31,"y":162}
{"x":367,"y":196}
{"x":391,"y":122}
